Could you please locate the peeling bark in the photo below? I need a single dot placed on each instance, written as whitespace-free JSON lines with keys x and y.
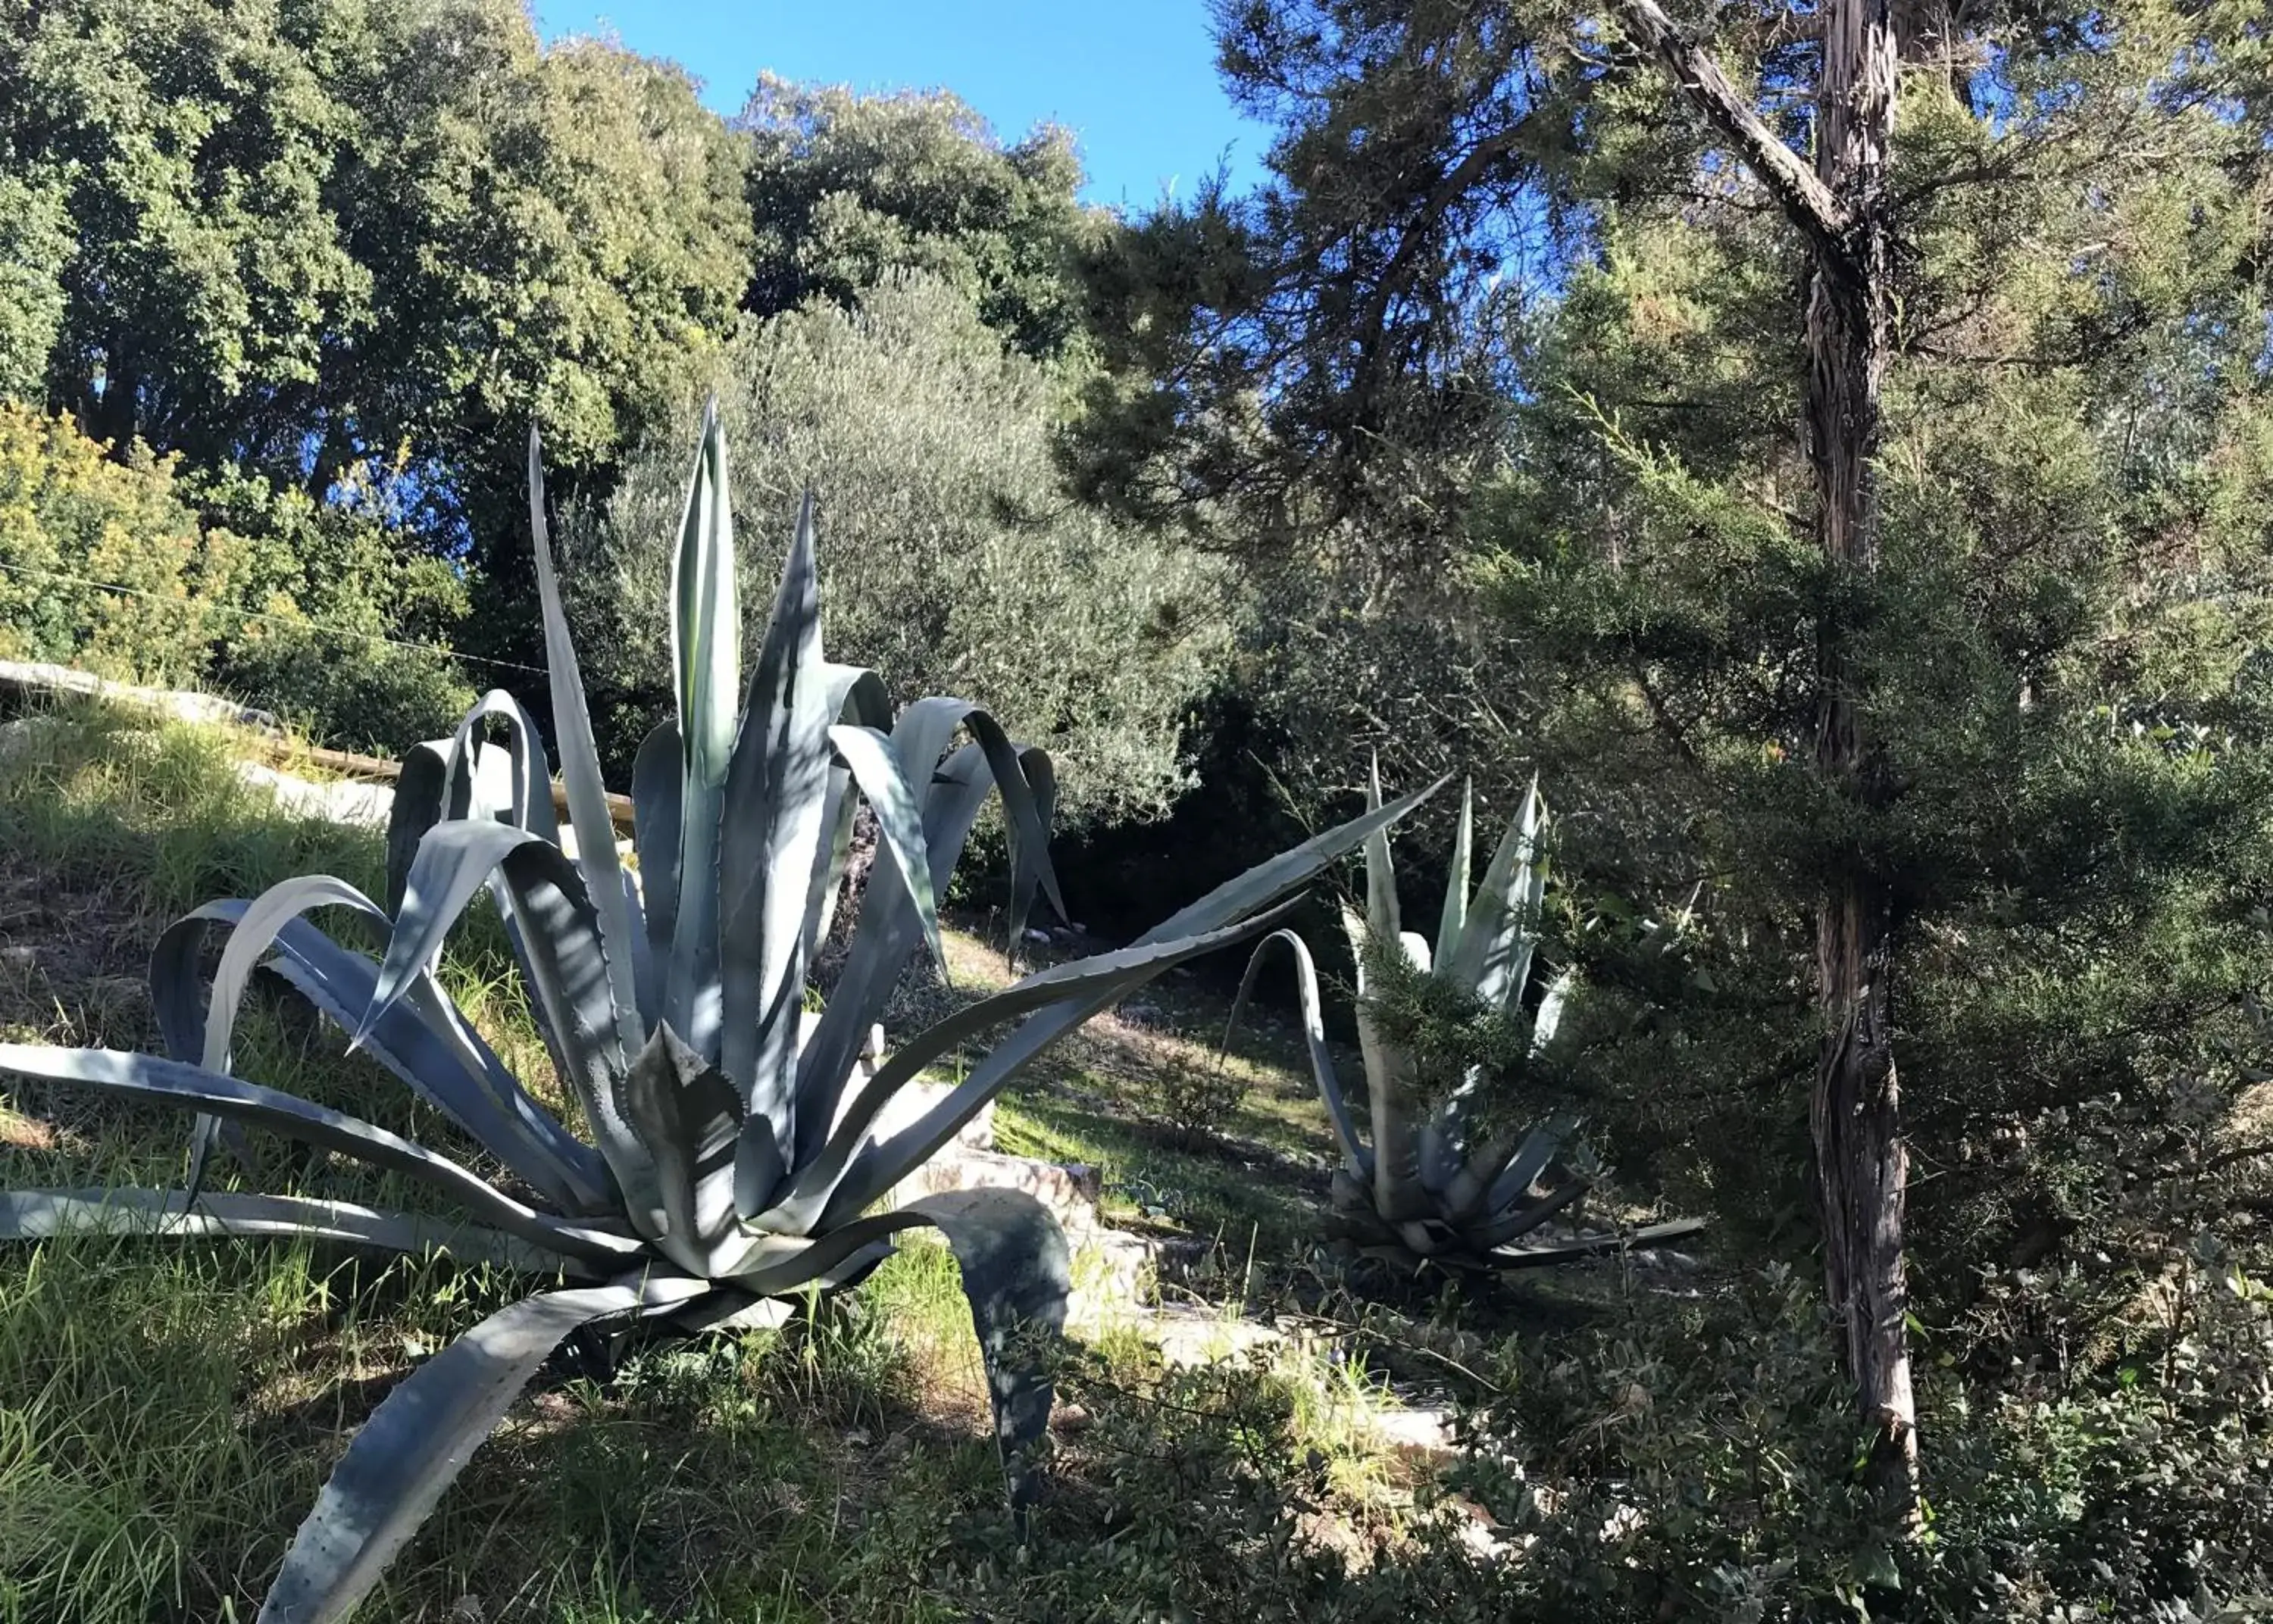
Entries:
{"x":1840,"y":208}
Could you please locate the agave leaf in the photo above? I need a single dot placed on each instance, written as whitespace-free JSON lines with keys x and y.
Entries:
{"x":1530,"y":1161}
{"x":884,"y":941}
{"x":1594,"y":1246}
{"x":172,"y":1214}
{"x":758,"y":1167}
{"x":417,"y":1442}
{"x":1493,"y":955}
{"x":562,"y":954}
{"x":706,"y":654}
{"x":1439,"y":1158}
{"x":1026,"y":878}
{"x":271,"y":911}
{"x":422,"y":784}
{"x":1399,"y":1194}
{"x":866,"y":705}
{"x":1111,"y":975}
{"x":1454,"y":919}
{"x":1502,"y":1169}
{"x":876,"y":770}
{"x":423,"y":1040}
{"x":148,"y":1077}
{"x":1017,"y":1275}
{"x":922,"y":734}
{"x":1515,"y":1222}
{"x":1266,"y":882}
{"x":1548,"y":1020}
{"x":688,"y":1115}
{"x":1026,"y":815}
{"x":1355,"y":1152}
{"x":1381,"y":913}
{"x":658,"y":786}
{"x":177,"y":1000}
{"x":527,"y":801}
{"x":257,"y":929}
{"x":768,"y":837}
{"x":706,"y":663}
{"x":580,"y":775}
{"x":454,"y":860}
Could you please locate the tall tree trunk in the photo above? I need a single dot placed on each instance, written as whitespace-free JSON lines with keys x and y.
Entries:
{"x":1839,"y":206}
{"x":1862,"y":1166}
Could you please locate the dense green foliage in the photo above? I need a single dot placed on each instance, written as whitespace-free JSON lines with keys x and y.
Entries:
{"x":845,"y":189}
{"x":955,"y":564}
{"x":109,"y":565}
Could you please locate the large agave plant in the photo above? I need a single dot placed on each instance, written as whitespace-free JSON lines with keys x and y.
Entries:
{"x":734,"y":1152}
{"x":1438,"y":1189}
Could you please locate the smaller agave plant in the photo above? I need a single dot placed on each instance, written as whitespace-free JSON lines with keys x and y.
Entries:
{"x":737,"y":1150}
{"x":1439,"y":1190}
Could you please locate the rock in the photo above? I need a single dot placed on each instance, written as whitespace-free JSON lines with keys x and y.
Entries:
{"x":22,"y":736}
{"x":342,"y":801}
{"x":1070,"y":1190}
{"x":1425,"y":1430}
{"x":1039,"y":938}
{"x":1190,"y":1334}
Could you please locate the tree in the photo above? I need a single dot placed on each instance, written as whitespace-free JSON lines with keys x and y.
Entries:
{"x":306,"y":236}
{"x":950,"y":555}
{"x":2057,"y":278}
{"x":1843,"y":210}
{"x":844,"y":188}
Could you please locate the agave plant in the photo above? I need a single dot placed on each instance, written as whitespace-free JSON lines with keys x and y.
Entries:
{"x":1438,"y":1189}
{"x":735,"y":1148}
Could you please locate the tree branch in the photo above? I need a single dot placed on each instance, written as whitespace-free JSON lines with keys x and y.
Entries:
{"x":1805,"y":198}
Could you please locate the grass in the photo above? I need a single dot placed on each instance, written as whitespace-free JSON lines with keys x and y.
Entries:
{"x":167,"y":1411}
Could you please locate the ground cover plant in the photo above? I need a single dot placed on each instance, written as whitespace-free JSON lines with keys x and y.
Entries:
{"x":729,"y":1165}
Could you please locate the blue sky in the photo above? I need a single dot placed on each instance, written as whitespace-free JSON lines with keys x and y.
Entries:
{"x":1136,"y":82}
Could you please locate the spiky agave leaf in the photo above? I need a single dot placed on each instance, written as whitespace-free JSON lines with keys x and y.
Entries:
{"x":152,"y":1077}
{"x":1356,"y":1156}
{"x":1110,"y":976}
{"x":1236,"y":906}
{"x":423,"y":1040}
{"x":1424,"y":1191}
{"x":420,"y":1438}
{"x":176,"y":1215}
{"x":580,"y":775}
